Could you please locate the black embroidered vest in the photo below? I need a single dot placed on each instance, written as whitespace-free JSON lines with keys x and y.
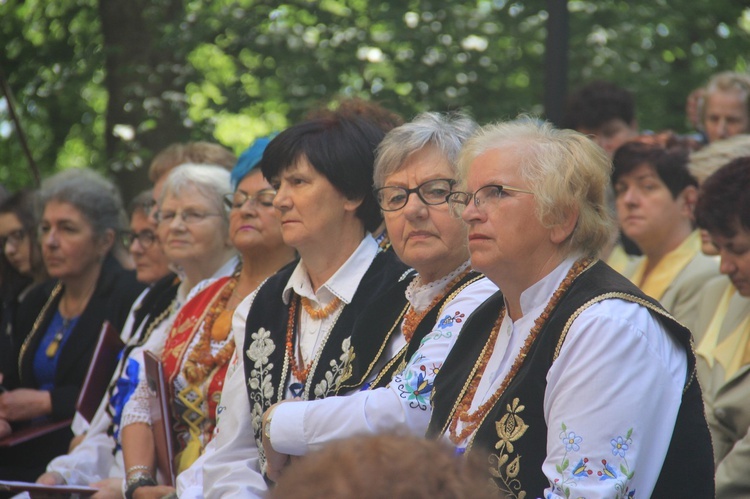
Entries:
{"x":385,"y":316}
{"x":267,"y":368}
{"x":514,"y":433}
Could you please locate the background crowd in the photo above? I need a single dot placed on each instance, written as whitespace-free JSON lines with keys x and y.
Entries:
{"x":562,"y":309}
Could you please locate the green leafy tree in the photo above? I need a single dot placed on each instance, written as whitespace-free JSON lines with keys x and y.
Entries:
{"x":109,"y":83}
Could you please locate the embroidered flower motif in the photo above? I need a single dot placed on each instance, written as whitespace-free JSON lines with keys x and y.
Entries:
{"x":339,"y":371}
{"x":607,"y":472}
{"x":619,"y":446}
{"x":261,"y":347}
{"x":504,"y":465}
{"x":571,"y":441}
{"x":581,"y":470}
{"x":448,"y":320}
{"x":416,"y":389}
{"x":510,"y":427}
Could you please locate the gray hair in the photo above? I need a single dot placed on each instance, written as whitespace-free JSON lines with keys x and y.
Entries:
{"x":564,"y":169}
{"x":447,"y":132}
{"x":209,"y":180}
{"x":95,"y":197}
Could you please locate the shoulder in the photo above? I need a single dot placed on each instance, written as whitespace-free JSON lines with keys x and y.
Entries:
{"x":476,"y":292}
{"x":701,"y":268}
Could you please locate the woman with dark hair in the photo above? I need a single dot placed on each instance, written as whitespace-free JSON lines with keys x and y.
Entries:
{"x":424,"y":312}
{"x":21,"y":266}
{"x":654,"y":196}
{"x":293,"y":335}
{"x":723,"y":355}
{"x":59,"y":321}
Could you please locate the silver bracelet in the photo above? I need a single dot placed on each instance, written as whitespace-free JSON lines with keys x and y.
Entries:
{"x":137,"y":467}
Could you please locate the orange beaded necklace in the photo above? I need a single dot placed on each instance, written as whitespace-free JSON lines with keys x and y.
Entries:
{"x":473,"y":420}
{"x":320,"y":313}
{"x":216,"y":327}
{"x":412,"y":318}
{"x":299,"y":374}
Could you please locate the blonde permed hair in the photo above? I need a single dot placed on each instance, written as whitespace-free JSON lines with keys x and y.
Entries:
{"x":566,"y":171}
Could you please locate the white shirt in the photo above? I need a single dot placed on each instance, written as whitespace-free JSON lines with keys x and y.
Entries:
{"x":95,"y":458}
{"x":612,"y":394}
{"x":229,"y":466}
{"x":302,"y":427}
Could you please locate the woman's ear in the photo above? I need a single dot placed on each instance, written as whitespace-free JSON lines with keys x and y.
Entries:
{"x":690,"y":196}
{"x":106,"y":242}
{"x":562,"y":231}
{"x":353,"y":204}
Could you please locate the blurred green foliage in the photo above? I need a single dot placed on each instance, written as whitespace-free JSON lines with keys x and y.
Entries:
{"x":233,"y":70}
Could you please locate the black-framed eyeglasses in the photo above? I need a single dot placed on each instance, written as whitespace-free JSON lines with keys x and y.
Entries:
{"x":433,"y":192}
{"x":145,"y":237}
{"x":188,"y":217}
{"x":484,"y":197}
{"x":15,"y":237}
{"x":238,"y":198}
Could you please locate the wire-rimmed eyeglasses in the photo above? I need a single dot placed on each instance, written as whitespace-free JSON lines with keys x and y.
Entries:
{"x":261,"y":198}
{"x":484,"y":197}
{"x":432,"y":193}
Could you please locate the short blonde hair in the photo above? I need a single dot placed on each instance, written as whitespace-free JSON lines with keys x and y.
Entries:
{"x":704,"y":162}
{"x":564,"y":169}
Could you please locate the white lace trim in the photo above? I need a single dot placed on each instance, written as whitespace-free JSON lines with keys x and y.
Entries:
{"x":420,"y":296}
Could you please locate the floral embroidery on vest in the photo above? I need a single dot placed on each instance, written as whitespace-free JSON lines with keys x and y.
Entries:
{"x":618,"y":471}
{"x":260,"y":381}
{"x":510,"y":428}
{"x":339,"y":372}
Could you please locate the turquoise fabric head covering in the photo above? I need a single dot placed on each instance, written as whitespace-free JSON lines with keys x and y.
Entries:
{"x":249,"y":159}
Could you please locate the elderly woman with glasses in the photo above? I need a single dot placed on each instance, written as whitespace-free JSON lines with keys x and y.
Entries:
{"x":571,"y":382}
{"x":199,"y":346}
{"x":294,"y":334}
{"x":59,"y":321}
{"x":423,"y":313}
{"x":98,"y":460}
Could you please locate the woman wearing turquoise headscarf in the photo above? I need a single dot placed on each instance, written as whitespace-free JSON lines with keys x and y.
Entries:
{"x":198,"y":345}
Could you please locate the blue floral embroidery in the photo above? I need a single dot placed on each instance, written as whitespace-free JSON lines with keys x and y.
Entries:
{"x":416,"y":389}
{"x":581,"y":469}
{"x":607,"y":472}
{"x":619,"y":446}
{"x":571,"y":441}
{"x":619,"y":472}
{"x":448,"y":320}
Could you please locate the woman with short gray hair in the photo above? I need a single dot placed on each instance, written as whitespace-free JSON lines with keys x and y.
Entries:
{"x":423,"y":313}
{"x":60,"y":320}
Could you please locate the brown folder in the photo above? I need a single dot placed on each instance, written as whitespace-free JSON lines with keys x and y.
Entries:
{"x":35,"y":430}
{"x":102,"y":366}
{"x":93,"y":389}
{"x":160,"y":418}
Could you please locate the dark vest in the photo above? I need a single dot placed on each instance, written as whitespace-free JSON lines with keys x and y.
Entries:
{"x":386,"y":315}
{"x":514,"y":432}
{"x":267,"y":367}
